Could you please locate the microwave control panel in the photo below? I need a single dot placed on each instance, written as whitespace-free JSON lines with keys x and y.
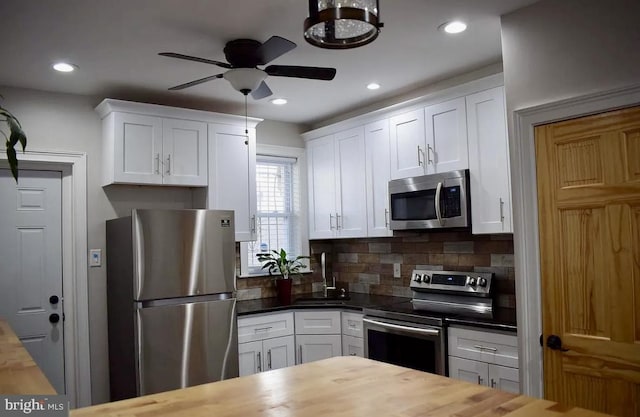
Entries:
{"x":451,"y":281}
{"x":450,"y":203}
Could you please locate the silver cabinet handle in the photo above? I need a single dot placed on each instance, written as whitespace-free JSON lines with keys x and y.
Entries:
{"x":259,"y":362}
{"x":437,"y":202}
{"x":493,"y":383}
{"x":386,"y":218}
{"x":330,"y":221}
{"x":501,"y":210}
{"x":491,"y":349}
{"x":300,"y":354}
{"x":169,"y":164}
{"x":157,"y":163}
{"x":419,"y":159}
{"x":253,"y":224}
{"x":480,"y":380}
{"x":429,"y":151}
{"x":262,"y":329}
{"x":269,"y":359}
{"x":352,"y":354}
{"x":430,"y":332}
{"x":338,"y":225}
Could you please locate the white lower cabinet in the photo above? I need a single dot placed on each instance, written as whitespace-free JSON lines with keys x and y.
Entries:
{"x":484,"y":357}
{"x":352,"y":334}
{"x":314,"y":347}
{"x":318,"y":335}
{"x":352,"y":346}
{"x":266,"y":342}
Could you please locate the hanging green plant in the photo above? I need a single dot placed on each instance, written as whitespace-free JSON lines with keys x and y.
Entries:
{"x":16,"y":134}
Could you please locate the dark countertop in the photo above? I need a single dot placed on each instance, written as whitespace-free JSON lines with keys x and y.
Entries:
{"x":502,"y":319}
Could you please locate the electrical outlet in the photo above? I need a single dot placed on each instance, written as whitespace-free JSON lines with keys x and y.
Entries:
{"x":95,"y":257}
{"x":396,"y":270}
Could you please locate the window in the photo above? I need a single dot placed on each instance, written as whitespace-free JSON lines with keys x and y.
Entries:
{"x":278,"y":217}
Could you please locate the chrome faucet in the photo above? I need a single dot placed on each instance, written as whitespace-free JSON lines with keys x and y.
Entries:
{"x":323,"y":264}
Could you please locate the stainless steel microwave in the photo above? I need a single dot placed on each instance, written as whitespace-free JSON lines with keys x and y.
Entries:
{"x":430,"y":201}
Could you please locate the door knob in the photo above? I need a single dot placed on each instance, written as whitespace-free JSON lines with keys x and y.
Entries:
{"x":54,"y":299}
{"x":554,"y":342}
{"x":54,"y":318}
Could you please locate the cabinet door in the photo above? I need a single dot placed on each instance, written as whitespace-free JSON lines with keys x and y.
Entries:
{"x":489,"y":163}
{"x":232,"y":176}
{"x":352,"y":324}
{"x":407,"y":144}
{"x":446,"y":136}
{"x":322,"y":188}
{"x":352,"y":346}
{"x":137,"y":149}
{"x":351,"y":199}
{"x":250,"y":358}
{"x":468,"y":370}
{"x":317,"y":322}
{"x":316,"y":347}
{"x":378,"y":174}
{"x":279,"y":352}
{"x":184,"y":148}
{"x":504,"y":378}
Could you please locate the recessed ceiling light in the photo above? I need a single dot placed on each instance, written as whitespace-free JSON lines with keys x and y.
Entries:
{"x":454,"y":27}
{"x":64,"y":67}
{"x":373,"y":86}
{"x":279,"y":101}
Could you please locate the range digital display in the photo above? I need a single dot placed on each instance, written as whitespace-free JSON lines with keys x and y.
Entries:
{"x":457,"y":280}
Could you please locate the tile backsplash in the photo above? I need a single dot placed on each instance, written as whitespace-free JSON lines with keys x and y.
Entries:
{"x":366,"y":265}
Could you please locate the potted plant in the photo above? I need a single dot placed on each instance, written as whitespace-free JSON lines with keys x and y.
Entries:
{"x":277,"y":262}
{"x":15,"y":135}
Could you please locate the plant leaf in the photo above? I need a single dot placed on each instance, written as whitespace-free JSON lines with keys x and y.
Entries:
{"x":17,"y":135}
{"x":13,"y":161}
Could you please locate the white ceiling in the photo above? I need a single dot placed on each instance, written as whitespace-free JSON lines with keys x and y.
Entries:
{"x":115,"y":44}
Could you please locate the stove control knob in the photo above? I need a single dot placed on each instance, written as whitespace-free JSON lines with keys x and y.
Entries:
{"x":472,"y":282}
{"x":482,"y":282}
{"x":417,"y":278}
{"x":426,"y":279}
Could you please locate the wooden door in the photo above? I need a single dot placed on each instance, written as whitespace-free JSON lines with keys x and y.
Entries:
{"x":588,"y":173}
{"x":31,"y":266}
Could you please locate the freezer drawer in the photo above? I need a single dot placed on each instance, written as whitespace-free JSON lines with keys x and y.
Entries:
{"x":185,"y":345}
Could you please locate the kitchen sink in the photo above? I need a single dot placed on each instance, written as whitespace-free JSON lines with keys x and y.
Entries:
{"x":332,"y":297}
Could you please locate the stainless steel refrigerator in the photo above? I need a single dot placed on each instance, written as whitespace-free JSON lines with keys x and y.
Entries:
{"x":171,"y":300}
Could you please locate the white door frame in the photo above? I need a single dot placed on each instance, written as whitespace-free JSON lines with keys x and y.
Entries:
{"x":525,"y":216}
{"x":74,"y":264}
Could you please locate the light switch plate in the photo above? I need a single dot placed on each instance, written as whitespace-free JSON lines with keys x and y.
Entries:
{"x":95,"y":257}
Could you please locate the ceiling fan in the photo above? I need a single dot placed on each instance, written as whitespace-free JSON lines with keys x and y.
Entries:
{"x":244,"y":56}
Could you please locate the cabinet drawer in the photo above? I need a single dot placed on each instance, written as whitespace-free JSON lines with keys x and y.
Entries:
{"x":352,"y":324}
{"x":491,"y":347}
{"x":264,"y":326}
{"x":317,"y":322}
{"x":352,"y":346}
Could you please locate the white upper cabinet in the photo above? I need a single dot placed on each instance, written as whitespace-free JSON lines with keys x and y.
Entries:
{"x":489,"y":163}
{"x":337,"y":197}
{"x":232,"y":176}
{"x":446,"y":136}
{"x":140,"y":149}
{"x":407,"y":133}
{"x":378,"y":174}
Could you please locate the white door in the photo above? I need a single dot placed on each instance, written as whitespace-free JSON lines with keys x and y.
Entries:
{"x":352,"y":346}
{"x":351,"y":197}
{"x":504,"y":378}
{"x":446,"y":136}
{"x":279,"y":352}
{"x":378,"y":173}
{"x":407,"y":145}
{"x":322,"y":191}
{"x":468,"y":370}
{"x":138,"y":149}
{"x":31,"y":259}
{"x":489,"y":163}
{"x":250,"y":358}
{"x":312,"y":347}
{"x":232,"y":176}
{"x":184,"y":145}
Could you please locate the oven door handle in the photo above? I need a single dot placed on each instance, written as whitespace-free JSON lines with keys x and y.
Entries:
{"x":438,"y":214}
{"x":430,"y":332}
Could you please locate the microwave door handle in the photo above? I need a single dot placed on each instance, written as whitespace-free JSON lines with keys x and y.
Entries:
{"x":437,"y":202}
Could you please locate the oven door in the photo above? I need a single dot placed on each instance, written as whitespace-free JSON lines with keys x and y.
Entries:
{"x":405,"y":344}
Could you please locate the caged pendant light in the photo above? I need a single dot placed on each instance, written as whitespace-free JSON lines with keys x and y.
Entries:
{"x":342,"y":24}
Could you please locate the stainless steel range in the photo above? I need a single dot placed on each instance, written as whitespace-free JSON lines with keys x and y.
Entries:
{"x":413,"y":333}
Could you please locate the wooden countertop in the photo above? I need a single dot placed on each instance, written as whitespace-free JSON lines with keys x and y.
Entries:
{"x":340,"y":386}
{"x":19,"y":374}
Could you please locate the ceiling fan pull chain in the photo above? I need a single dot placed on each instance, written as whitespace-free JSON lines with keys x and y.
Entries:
{"x":246,"y":127}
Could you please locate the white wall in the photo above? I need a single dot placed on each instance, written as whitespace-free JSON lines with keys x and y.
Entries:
{"x":270,"y":132}
{"x":554,"y":50}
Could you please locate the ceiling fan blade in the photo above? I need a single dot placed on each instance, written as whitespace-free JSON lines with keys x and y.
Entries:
{"x":314,"y":73}
{"x":195,"y":82}
{"x":274,"y":47}
{"x":196,"y":59}
{"x":262,"y":91}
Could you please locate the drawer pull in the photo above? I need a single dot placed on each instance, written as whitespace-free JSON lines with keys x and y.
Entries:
{"x":490,"y":349}
{"x":262,"y":329}
{"x":352,"y":324}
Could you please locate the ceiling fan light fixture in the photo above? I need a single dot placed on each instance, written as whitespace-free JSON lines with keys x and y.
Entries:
{"x":245,"y":80}
{"x":342,"y":24}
